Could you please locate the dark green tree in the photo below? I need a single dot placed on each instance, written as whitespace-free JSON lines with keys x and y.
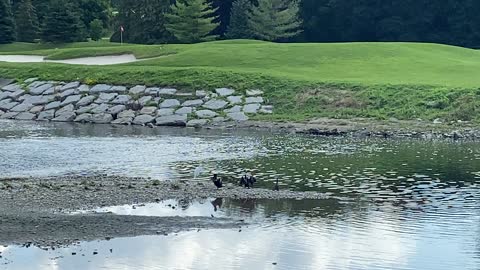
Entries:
{"x":275,"y":20}
{"x":41,"y":8}
{"x":90,"y":10}
{"x":96,"y":29}
{"x":62,"y":24}
{"x":192,"y":21}
{"x":239,"y":23}
{"x":143,"y":21}
{"x":7,"y":23}
{"x":26,"y":21}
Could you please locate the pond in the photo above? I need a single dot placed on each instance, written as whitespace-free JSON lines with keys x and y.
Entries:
{"x":395,"y":204}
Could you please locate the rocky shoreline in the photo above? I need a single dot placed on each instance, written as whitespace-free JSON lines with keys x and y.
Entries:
{"x":223,"y":108}
{"x":121,"y":105}
{"x":38,"y":210}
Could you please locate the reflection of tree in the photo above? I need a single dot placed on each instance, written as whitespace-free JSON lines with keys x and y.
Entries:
{"x":290,"y":207}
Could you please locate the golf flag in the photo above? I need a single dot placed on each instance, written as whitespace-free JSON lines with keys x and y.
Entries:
{"x":122,"y":29}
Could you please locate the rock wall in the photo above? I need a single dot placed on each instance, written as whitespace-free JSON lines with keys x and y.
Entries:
{"x":138,"y":105}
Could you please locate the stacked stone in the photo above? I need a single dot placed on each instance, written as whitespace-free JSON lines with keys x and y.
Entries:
{"x":138,"y":105}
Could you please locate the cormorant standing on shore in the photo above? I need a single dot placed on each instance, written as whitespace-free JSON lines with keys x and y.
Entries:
{"x":244,"y":181}
{"x":277,"y":187}
{"x":217,"y":181}
{"x":250,"y":181}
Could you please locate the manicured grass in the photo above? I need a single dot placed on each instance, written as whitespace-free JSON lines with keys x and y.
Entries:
{"x":85,"y":49}
{"x":303,"y":81}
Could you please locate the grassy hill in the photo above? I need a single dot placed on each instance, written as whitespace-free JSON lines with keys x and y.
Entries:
{"x":381,"y":80}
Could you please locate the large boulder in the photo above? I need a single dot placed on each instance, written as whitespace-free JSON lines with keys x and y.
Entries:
{"x":100,"y":108}
{"x":9,"y":115}
{"x":5,"y":82}
{"x":201,"y":93}
{"x":122,"y":99}
{"x":4,"y":95}
{"x":22,"y":107}
{"x":193,"y":103}
{"x":215,"y":104}
{"x":148,"y":110}
{"x":40,"y":89}
{"x":206,"y":114}
{"x":86,"y":101}
{"x":25,"y":116}
{"x":51,"y":91}
{"x":64,"y":117}
{"x":197,"y":123}
{"x":169,"y":103}
{"x":116,"y":109}
{"x":223,"y":92}
{"x":7,"y":104}
{"x":237,"y":116}
{"x":153,"y":91}
{"x":64,"y":110}
{"x":251,"y":108}
{"x":266,"y":109}
{"x":100,"y":88}
{"x":83,"y":118}
{"x":172,"y":120}
{"x":167,"y":91}
{"x":17,"y":94}
{"x":123,"y":121}
{"x":39,"y":100}
{"x":86,"y":109}
{"x":143,"y":119}
{"x":36,"y":84}
{"x":234,"y":109}
{"x":12,"y":87}
{"x":137,"y":90}
{"x":46,"y":115}
{"x":254,"y":92}
{"x":144,"y":100}
{"x":105,"y":97}
{"x":102,"y":118}
{"x":219,"y":119}
{"x":84,"y":89}
{"x":118,"y":89}
{"x":235,"y":99}
{"x":67,"y":93}
{"x":126,"y":114}
{"x":71,"y":100}
{"x":68,"y":86}
{"x":165,"y":112}
{"x":184,"y":110}
{"x":36,"y":109}
{"x":249,"y":100}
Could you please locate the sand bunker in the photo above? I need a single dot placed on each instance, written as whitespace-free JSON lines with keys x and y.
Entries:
{"x":98,"y":60}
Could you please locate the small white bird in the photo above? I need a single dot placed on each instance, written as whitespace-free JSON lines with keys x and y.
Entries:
{"x":198,"y":171}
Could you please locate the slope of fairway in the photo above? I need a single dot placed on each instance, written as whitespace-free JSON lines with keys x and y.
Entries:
{"x":303,"y":81}
{"x":371,"y":63}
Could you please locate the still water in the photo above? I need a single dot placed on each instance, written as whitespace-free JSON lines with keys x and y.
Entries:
{"x":396,"y":204}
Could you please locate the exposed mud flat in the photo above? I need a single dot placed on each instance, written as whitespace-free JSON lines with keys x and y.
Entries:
{"x":38,"y":210}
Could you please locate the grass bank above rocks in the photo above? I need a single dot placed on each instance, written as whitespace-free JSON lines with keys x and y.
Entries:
{"x":302,"y":81}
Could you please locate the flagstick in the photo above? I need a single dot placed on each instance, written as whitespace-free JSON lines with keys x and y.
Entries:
{"x":121,"y":37}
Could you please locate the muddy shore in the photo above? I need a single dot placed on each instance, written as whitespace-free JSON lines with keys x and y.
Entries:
{"x":38,"y":210}
{"x":365,"y":128}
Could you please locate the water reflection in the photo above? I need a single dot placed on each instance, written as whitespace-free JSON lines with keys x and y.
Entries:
{"x":396,"y":204}
{"x":307,"y":234}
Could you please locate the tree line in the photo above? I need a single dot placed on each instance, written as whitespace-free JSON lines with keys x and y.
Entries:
{"x":188,"y":21}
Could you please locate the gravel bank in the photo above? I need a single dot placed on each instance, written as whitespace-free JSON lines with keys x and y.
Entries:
{"x":36,"y":210}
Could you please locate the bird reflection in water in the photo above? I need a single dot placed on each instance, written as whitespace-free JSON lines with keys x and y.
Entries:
{"x":217,"y":203}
